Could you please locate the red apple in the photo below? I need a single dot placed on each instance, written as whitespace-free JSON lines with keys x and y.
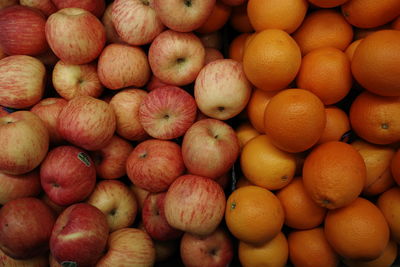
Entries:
{"x":140,"y":195}
{"x":212,"y":54}
{"x":48,"y":110}
{"x":24,"y":142}
{"x":37,"y":261}
{"x":75,"y":35}
{"x":7,"y":3}
{"x":25,"y":227}
{"x":18,"y":186}
{"x":79,"y":235}
{"x":56,"y":208}
{"x":154,"y":83}
{"x":128,"y":247}
{"x":195,"y":204}
{"x":210,"y":148}
{"x":126,"y":105}
{"x":87,"y":122}
{"x":154,"y":221}
{"x":96,"y":7}
{"x":46,"y":6}
{"x":123,"y":65}
{"x":136,"y":21}
{"x":111,"y":34}
{"x":154,"y":164}
{"x":4,"y":111}
{"x":67,"y":175}
{"x":22,"y":81}
{"x":187,"y":15}
{"x":214,"y":250}
{"x":22,"y":31}
{"x":116,"y":201}
{"x":71,"y":80}
{"x":48,"y":58}
{"x":2,"y":54}
{"x":167,"y":112}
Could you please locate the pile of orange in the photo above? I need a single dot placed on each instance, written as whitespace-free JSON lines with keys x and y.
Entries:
{"x":320,"y":139}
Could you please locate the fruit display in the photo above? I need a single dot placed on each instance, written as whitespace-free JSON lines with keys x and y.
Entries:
{"x":189,"y":133}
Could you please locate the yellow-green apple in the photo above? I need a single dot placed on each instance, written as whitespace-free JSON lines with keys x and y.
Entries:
{"x":221,"y":89}
{"x":167,"y":112}
{"x":165,"y":249}
{"x":212,"y":40}
{"x":67,"y":175}
{"x":24,"y":142}
{"x":87,"y":122}
{"x":234,"y":2}
{"x":195,"y":204}
{"x":17,"y":186}
{"x":154,"y":221}
{"x":116,"y":201}
{"x":111,"y":34}
{"x":210,"y":148}
{"x":46,"y":6}
{"x":22,"y":81}
{"x":75,"y":35}
{"x":110,"y":161}
{"x":96,"y":7}
{"x":212,"y":54}
{"x":183,"y":16}
{"x":154,"y":83}
{"x":79,"y":235}
{"x":22,"y":31}
{"x":136,"y":21}
{"x":128,"y":247}
{"x":37,"y":261}
{"x":176,"y":57}
{"x":48,"y":110}
{"x":122,"y":65}
{"x":7,"y":3}
{"x":70,"y":80}
{"x":215,"y":249}
{"x":140,"y":195}
{"x":126,"y":103}
{"x":154,"y":164}
{"x":25,"y":227}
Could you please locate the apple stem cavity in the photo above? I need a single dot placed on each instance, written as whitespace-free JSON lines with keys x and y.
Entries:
{"x":188,"y":3}
{"x":180,"y":60}
{"x":146,"y":2}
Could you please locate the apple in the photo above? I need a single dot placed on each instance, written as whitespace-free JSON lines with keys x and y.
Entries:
{"x":165,"y":249}
{"x":24,"y":142}
{"x":215,"y":249}
{"x":71,"y":80}
{"x":167,"y":112}
{"x":48,"y":58}
{"x":136,"y":21}
{"x":79,"y":235}
{"x":56,"y":208}
{"x":176,"y":58}
{"x":22,"y":81}
{"x":122,"y":65}
{"x":140,"y":195}
{"x":154,"y":221}
{"x":96,"y":7}
{"x":224,"y":180}
{"x":126,"y":105}
{"x":212,"y":54}
{"x":47,"y":7}
{"x":67,"y":175}
{"x":25,"y":227}
{"x":128,"y":247}
{"x":48,"y":110}
{"x":154,"y":83}
{"x":234,"y":2}
{"x":53,"y":262}
{"x":187,"y":15}
{"x":75,"y":35}
{"x":195,"y":204}
{"x":221,"y":89}
{"x":110,"y":161}
{"x":154,"y":164}
{"x":116,"y":201}
{"x":22,"y":31}
{"x":18,"y":186}
{"x":7,"y":3}
{"x":210,"y":148}
{"x":211,"y":40}
{"x":111,"y":34}
{"x":2,"y":54}
{"x":87,"y":122}
{"x":37,"y":261}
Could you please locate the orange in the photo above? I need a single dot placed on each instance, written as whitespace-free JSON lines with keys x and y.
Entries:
{"x":337,"y":127}
{"x":254,"y":214}
{"x":376,"y":61}
{"x":271,"y":59}
{"x":326,"y":72}
{"x":294,"y":119}
{"x":389,"y":203}
{"x":309,"y":248}
{"x":334,"y":174}
{"x":301,"y":212}
{"x":352,"y":48}
{"x":358,"y":231}
{"x":256,"y":106}
{"x":327,"y":3}
{"x":360,"y":33}
{"x":370,"y":13}
{"x":272,"y":253}
{"x":275,"y":14}
{"x":245,"y":132}
{"x":395,"y":166}
{"x":218,"y":18}
{"x":239,"y":20}
{"x":324,"y":27}
{"x":265,"y":165}
{"x":236,"y":47}
{"x":377,"y":161}
{"x":376,"y":118}
{"x":396,"y":23}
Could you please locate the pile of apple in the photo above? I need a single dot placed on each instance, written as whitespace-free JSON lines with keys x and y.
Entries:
{"x":116,"y":146}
